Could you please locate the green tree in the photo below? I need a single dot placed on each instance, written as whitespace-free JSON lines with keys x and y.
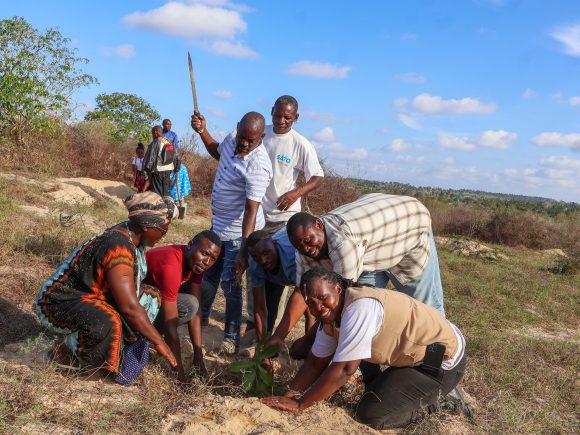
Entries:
{"x":131,"y":115}
{"x":38,"y":75}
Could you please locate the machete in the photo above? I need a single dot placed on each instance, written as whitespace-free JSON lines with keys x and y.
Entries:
{"x":192,"y":80}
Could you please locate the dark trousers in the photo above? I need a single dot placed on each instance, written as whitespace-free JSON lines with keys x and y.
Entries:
{"x":273,"y":295}
{"x":393,"y":397}
{"x":159,"y":182}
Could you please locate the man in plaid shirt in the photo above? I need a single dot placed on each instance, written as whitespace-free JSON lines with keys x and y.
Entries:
{"x":372,"y":240}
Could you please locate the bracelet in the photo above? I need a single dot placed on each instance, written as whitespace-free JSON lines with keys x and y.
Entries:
{"x":293,"y":391}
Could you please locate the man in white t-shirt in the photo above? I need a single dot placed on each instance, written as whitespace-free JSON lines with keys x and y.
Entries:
{"x":291,"y":154}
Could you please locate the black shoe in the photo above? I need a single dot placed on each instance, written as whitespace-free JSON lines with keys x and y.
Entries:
{"x":250,"y":326}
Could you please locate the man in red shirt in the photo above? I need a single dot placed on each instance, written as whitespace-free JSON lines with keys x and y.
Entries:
{"x":177,"y":272}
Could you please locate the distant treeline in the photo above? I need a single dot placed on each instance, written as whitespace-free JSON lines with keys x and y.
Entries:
{"x":491,"y":201}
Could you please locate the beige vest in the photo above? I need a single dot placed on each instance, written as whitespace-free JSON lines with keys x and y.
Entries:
{"x":408,"y":327}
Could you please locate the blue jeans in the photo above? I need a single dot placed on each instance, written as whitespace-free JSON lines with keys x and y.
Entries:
{"x":224,"y":270}
{"x":427,"y":288}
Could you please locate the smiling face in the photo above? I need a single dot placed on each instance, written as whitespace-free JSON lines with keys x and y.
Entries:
{"x":324,"y":300}
{"x":310,"y":240}
{"x":265,"y":254}
{"x":283,"y":116}
{"x":167,"y":125}
{"x":248,"y":137}
{"x":202,"y":256}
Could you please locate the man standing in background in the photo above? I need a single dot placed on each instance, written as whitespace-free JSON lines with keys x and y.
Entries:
{"x":291,"y":154}
{"x":171,"y":136}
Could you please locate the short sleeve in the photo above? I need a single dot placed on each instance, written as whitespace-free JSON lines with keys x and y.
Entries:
{"x":257,"y":274}
{"x":310,"y":164}
{"x":257,"y":182}
{"x":115,"y":249}
{"x":359,"y":324}
{"x":324,"y":344}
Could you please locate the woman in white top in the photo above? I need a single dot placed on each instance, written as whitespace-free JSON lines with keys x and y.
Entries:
{"x":367,"y":327}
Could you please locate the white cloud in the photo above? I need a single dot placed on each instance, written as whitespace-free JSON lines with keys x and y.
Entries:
{"x":223,"y":95}
{"x":224,"y":3}
{"x":318,"y":70}
{"x":409,"y":121}
{"x":327,"y":146}
{"x":569,"y":37}
{"x":574,"y":101}
{"x":318,"y":116}
{"x":232,"y":49}
{"x":399,"y":144}
{"x":193,"y":20}
{"x":557,"y":139}
{"x":434,"y":105}
{"x":561,"y":162}
{"x":499,"y":139}
{"x":450,"y":141}
{"x":218,"y":113}
{"x":409,"y":159}
{"x":124,"y":50}
{"x":324,"y":135}
{"x":529,"y":93}
{"x":412,"y":78}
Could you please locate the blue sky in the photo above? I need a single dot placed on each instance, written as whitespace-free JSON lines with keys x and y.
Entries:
{"x":478,"y":94}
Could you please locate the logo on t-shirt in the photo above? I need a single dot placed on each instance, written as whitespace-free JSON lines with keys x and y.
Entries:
{"x":283,"y":159}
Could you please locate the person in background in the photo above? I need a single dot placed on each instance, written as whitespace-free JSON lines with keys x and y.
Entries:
{"x":181,"y":177}
{"x":365,"y":326}
{"x":137,"y":166}
{"x":160,"y":159}
{"x":177,"y":271}
{"x":170,"y":135}
{"x":243,"y":174}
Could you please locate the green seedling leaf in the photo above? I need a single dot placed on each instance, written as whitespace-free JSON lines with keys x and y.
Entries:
{"x":248,"y":380}
{"x":270,"y":351}
{"x":265,"y":377}
{"x":241,"y":366}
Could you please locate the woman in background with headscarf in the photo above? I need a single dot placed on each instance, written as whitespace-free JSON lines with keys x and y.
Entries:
{"x":94,"y":297}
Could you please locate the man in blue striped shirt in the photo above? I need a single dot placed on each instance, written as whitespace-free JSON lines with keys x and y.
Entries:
{"x":243,"y":174}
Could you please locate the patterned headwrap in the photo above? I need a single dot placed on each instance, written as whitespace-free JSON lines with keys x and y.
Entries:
{"x":148,"y":209}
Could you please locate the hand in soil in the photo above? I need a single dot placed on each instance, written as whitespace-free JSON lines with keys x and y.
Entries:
{"x":199,"y":367}
{"x":281,"y":403}
{"x":166,"y":353}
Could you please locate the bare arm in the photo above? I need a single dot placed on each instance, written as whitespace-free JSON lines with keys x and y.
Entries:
{"x":170,"y":320}
{"x":194,"y":327}
{"x":122,"y":284}
{"x":260,"y":316}
{"x":292,"y":196}
{"x":294,"y":309}
{"x":248,"y":225}
{"x":211,"y":145}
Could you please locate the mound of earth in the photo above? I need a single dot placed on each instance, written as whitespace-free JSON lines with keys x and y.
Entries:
{"x":470,"y":248}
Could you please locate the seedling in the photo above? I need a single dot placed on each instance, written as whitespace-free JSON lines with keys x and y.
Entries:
{"x":255,"y":378}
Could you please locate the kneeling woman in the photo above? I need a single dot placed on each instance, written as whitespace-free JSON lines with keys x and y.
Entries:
{"x":365,"y":326}
{"x":94,"y":297}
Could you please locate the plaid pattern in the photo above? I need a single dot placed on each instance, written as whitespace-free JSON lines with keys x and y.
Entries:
{"x":375,"y":232}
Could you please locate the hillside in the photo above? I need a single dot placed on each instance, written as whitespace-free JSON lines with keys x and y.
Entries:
{"x":518,"y":312}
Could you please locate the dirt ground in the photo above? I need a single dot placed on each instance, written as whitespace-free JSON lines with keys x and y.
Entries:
{"x":23,"y":346}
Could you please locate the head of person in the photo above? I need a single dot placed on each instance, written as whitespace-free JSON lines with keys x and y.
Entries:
{"x":323,"y":292}
{"x":202,"y":251}
{"x":249,"y":133}
{"x":306,"y":233}
{"x":140,"y":150}
{"x":284,"y":114}
{"x":166,"y":125}
{"x":150,"y":214}
{"x":157,"y":132}
{"x":263,"y":249}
